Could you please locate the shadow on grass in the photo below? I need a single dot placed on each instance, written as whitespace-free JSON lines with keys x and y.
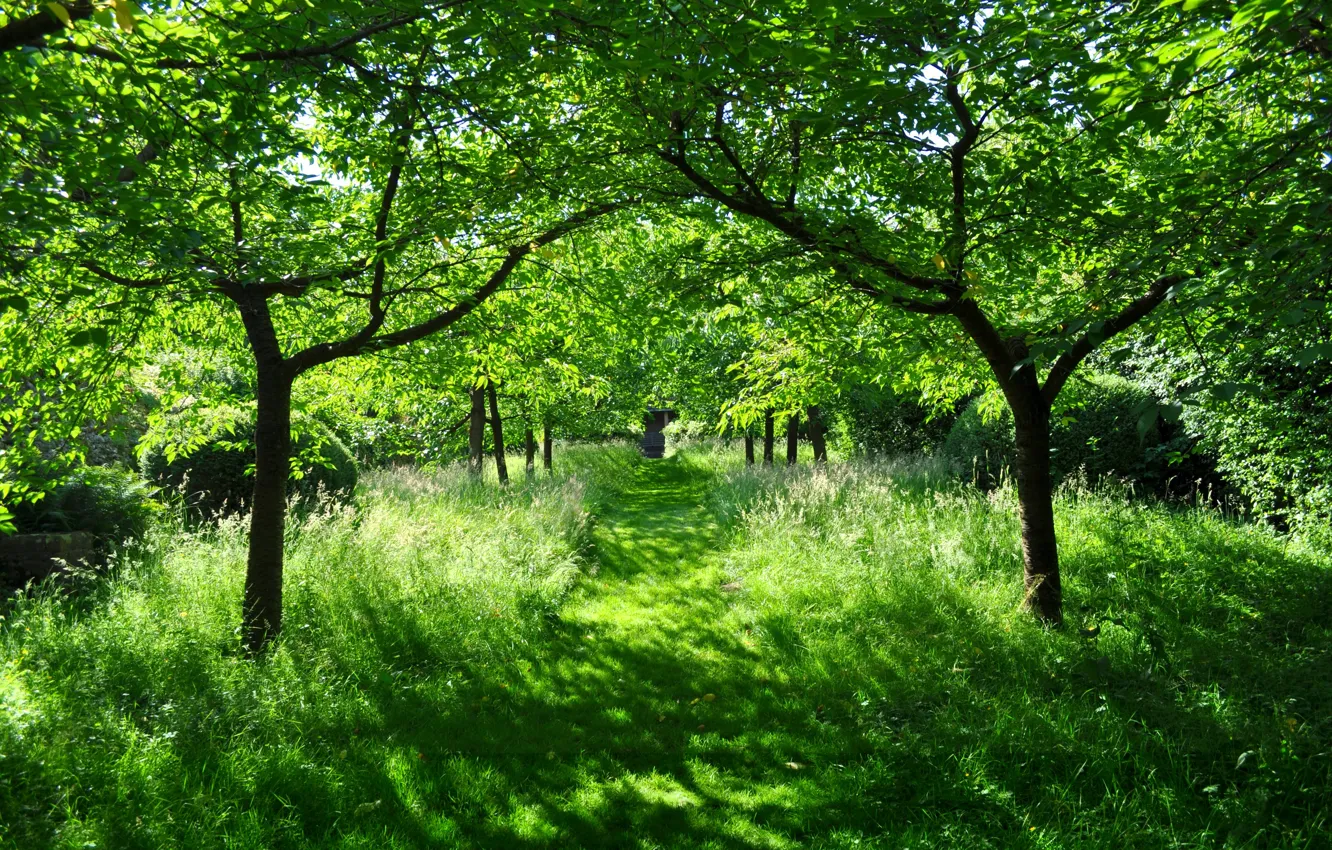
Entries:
{"x":662,"y":714}
{"x":661,"y":711}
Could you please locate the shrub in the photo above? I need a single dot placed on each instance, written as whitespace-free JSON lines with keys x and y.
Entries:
{"x":208,"y":455}
{"x":1094,"y":427}
{"x":1272,"y":444}
{"x":111,"y":504}
{"x":882,"y":422}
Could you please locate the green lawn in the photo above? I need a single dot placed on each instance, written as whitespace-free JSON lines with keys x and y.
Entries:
{"x":680,"y":653}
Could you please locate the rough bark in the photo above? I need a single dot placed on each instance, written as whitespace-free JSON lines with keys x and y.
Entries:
{"x":749,"y":449}
{"x":816,"y":434}
{"x":792,"y":439}
{"x":767,"y":437}
{"x":497,"y":434}
{"x":529,"y":446}
{"x":546,"y":444}
{"x":1031,"y":419}
{"x":476,"y":432}
{"x":1040,"y":551}
{"x":262,"y":612}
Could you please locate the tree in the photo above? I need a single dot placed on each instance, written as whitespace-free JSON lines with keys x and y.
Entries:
{"x":974,"y":162}
{"x":497,"y":435}
{"x":280,"y":199}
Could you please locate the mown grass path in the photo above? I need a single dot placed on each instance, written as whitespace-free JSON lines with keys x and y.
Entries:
{"x":652,"y":719}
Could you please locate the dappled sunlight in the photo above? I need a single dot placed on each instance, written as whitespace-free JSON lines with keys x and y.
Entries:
{"x":685,"y":653}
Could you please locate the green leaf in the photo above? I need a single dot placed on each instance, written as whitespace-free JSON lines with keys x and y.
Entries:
{"x":61,"y":13}
{"x":91,"y":336}
{"x":1313,"y":354}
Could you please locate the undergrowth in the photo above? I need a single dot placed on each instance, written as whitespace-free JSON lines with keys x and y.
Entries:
{"x":1185,"y":703}
{"x":682,"y":653}
{"x":129,"y":719}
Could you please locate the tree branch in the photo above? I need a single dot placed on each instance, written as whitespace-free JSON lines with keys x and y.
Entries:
{"x":993,"y":347}
{"x":1101,"y":331}
{"x":790,"y":222}
{"x":313,"y":51}
{"x":378,"y":313}
{"x":323,"y":353}
{"x":132,"y":283}
{"x":957,"y":158}
{"x":35,"y":28}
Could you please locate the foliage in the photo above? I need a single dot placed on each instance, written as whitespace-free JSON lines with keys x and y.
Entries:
{"x":1254,"y":396}
{"x":206,"y":456}
{"x":54,"y":383}
{"x":113,"y":505}
{"x":1095,"y":431}
{"x":892,"y":424}
{"x":1272,"y":445}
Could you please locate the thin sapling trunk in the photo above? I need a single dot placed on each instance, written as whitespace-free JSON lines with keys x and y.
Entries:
{"x":792,"y":439}
{"x":497,"y":434}
{"x":816,"y":434}
{"x":767,"y":437}
{"x":476,"y":432}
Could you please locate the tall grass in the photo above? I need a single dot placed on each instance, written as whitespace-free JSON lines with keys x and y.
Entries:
{"x":827,"y":658}
{"x":127,"y":718}
{"x":1188,"y":702}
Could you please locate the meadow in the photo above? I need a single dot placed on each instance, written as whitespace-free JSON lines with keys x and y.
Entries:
{"x":681,"y":653}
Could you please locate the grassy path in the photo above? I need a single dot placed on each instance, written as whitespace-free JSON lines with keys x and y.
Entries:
{"x":888,"y":693}
{"x":652,"y":720}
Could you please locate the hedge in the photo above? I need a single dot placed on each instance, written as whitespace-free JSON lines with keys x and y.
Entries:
{"x":207,"y":457}
{"x":1094,"y":427}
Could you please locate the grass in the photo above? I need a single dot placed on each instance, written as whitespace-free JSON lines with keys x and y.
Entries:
{"x":682,"y":653}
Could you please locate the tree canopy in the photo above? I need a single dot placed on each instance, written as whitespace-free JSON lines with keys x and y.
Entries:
{"x":597,"y":207}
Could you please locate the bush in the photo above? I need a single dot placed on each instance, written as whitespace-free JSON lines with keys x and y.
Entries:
{"x":111,"y":504}
{"x":208,"y":455}
{"x":1094,"y":427}
{"x":881,"y":422}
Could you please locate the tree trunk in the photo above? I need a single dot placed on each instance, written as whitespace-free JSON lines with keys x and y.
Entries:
{"x":749,"y":449}
{"x":529,"y":445}
{"x":1040,"y":551}
{"x":261,"y":617}
{"x":546,"y":444}
{"x":476,"y":432}
{"x":497,"y":433}
{"x":792,"y":439}
{"x":816,"y":434}
{"x":767,"y":437}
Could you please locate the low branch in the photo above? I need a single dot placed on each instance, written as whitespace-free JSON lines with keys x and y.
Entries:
{"x":912,"y":305}
{"x":1101,"y":331}
{"x":132,"y":283}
